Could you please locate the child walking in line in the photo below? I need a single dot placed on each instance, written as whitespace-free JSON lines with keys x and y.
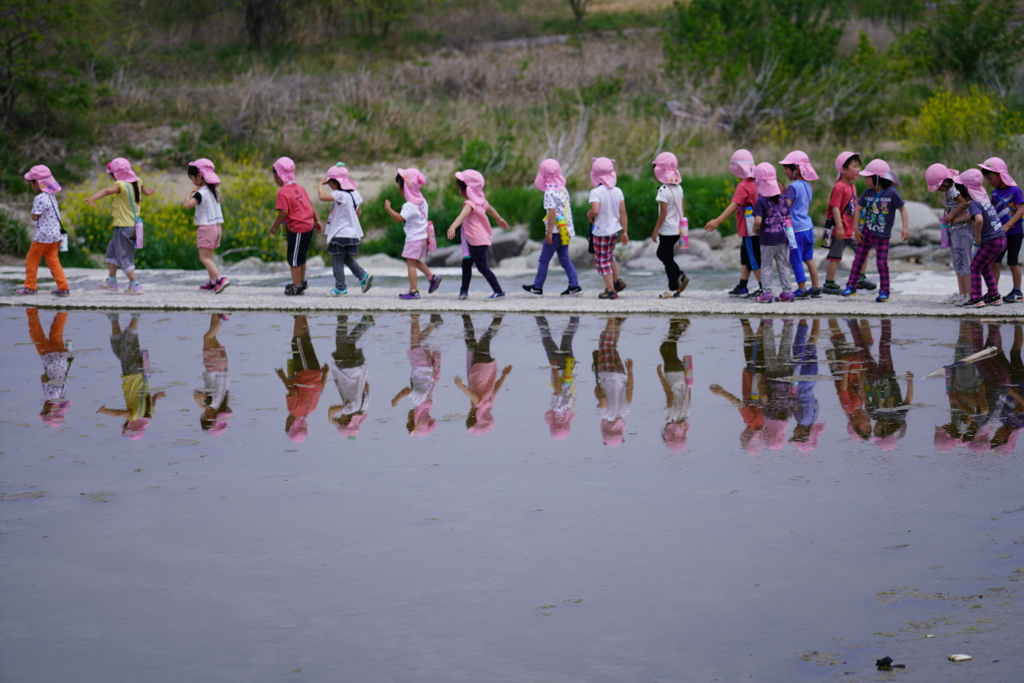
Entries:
{"x":417,"y":229}
{"x":49,"y":233}
{"x":956,"y":224}
{"x":610,"y":224}
{"x":676,"y":377}
{"x":559,"y":229}
{"x":668,"y":226}
{"x":742,"y":204}
{"x":126,"y":209}
{"x":751,"y":407}
{"x":771,"y":214}
{"x":1009,"y":204}
{"x":562,"y":408}
{"x":213,"y":398}
{"x":842,"y":209}
{"x":883,"y":399}
{"x":476,"y":231}
{"x":350,"y":373}
{"x":56,"y":357}
{"x":482,"y":374}
{"x":343,"y":228}
{"x":613,"y":387}
{"x":304,"y":381}
{"x":425,"y":373}
{"x":879,"y":203}
{"x":805,"y":404}
{"x":295,"y":211}
{"x":205,"y":198}
{"x":988,"y":236}
{"x":140,"y":405}
{"x":799,"y":171}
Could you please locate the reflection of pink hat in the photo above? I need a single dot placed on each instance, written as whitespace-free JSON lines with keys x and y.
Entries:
{"x":121,"y":169}
{"x":1011,"y":442}
{"x":841,"y":161}
{"x":285,"y":169}
{"x":413,"y":180}
{"x":881,"y":169}
{"x":220,"y":424}
{"x":997,"y":165}
{"x":886,"y":443}
{"x":559,"y":423}
{"x":981,"y":439}
{"x":474,"y":185}
{"x":812,"y":439}
{"x":764,"y":176}
{"x":674,"y":435}
{"x":299,"y":430}
{"x":205,"y":168}
{"x":351,"y":430}
{"x":943,"y":440}
{"x":549,"y":173}
{"x":775,"y":434}
{"x":423,"y":423}
{"x":751,"y":440}
{"x":602,"y":172}
{"x":613,"y":433}
{"x":666,"y":169}
{"x":58,"y":411}
{"x":936,"y":174}
{"x":802,"y":162}
{"x":135,"y":429}
{"x":742,"y":164}
{"x":484,"y":421}
{"x":975,"y":184}
{"x":853,"y":432}
{"x":42,"y":175}
{"x":340,"y":173}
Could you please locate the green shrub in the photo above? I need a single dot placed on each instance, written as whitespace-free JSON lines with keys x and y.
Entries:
{"x":958,"y":124}
{"x":14,"y":236}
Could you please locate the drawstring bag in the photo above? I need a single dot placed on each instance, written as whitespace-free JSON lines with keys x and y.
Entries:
{"x":431,"y":236}
{"x":138,"y":218}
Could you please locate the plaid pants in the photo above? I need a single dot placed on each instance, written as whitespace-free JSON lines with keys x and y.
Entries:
{"x":981,"y":266}
{"x":869,"y":241}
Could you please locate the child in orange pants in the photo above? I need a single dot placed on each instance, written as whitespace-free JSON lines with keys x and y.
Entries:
{"x":46,"y":242}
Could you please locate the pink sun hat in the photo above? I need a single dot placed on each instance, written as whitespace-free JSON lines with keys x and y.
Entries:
{"x":339,"y":172}
{"x":1011,"y":442}
{"x":285,"y":169}
{"x":742,"y":164}
{"x":42,"y":175}
{"x":351,"y":430}
{"x":58,"y":411}
{"x":802,"y":162}
{"x":775,"y":434}
{"x":613,"y":433}
{"x":205,"y":168}
{"x":997,"y":165}
{"x":876,"y":167}
{"x":886,"y":443}
{"x":751,"y":440}
{"x":841,"y":161}
{"x":474,"y":185}
{"x":975,"y":184}
{"x":549,"y":173}
{"x":943,"y":441}
{"x":766,"y":180}
{"x":135,"y":429}
{"x":299,"y":430}
{"x":423,"y":423}
{"x":121,"y":169}
{"x":413,"y":181}
{"x":220,"y":424}
{"x":666,"y":169}
{"x":812,"y":439}
{"x":674,"y":435}
{"x":936,"y":174}
{"x":560,"y":423}
{"x":602,"y":172}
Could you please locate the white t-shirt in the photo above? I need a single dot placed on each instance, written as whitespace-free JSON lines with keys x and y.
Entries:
{"x":558,"y":199}
{"x":208,"y":209}
{"x":422,"y":381}
{"x":216,"y":385}
{"x":48,"y":226}
{"x":415,"y":216}
{"x":343,"y":221}
{"x":681,"y":393}
{"x":614,"y":386}
{"x":607,"y":222}
{"x":351,"y":383}
{"x":672,"y":197}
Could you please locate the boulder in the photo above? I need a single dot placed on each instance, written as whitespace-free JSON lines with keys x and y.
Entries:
{"x":578,"y":254}
{"x":521,"y":263}
{"x":315,"y":262}
{"x":436,"y":259}
{"x":920,"y":217}
{"x":905,"y":251}
{"x":381,"y":262}
{"x":731,"y":242}
{"x":530,"y":247}
{"x":714,"y":238}
{"x":254,"y":264}
{"x":932,"y":235}
{"x":508,"y":244}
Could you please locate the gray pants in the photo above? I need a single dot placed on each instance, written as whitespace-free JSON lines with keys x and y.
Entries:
{"x":775,"y":257}
{"x":961,"y":242}
{"x":342,"y":255}
{"x":121,"y":249}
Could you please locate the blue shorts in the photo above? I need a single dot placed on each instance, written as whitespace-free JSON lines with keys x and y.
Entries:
{"x":804,"y":252}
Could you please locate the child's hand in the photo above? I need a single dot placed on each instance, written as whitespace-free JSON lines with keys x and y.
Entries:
{"x":273,"y":231}
{"x":548,"y":238}
{"x":654,"y":238}
{"x":91,"y":202}
{"x":451,"y":233}
{"x":629,"y":365}
{"x":624,"y":239}
{"x":387,"y":203}
{"x":508,"y":369}
{"x":504,"y":224}
{"x":711,"y":225}
{"x":458,"y":381}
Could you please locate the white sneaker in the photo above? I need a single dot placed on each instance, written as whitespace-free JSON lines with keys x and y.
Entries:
{"x":953,"y":298}
{"x":961,"y":299}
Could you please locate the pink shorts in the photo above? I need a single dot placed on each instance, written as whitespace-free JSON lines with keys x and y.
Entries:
{"x":208,"y":236}
{"x":416,"y":250}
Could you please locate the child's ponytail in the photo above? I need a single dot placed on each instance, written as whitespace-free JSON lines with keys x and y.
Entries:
{"x":138,"y":196}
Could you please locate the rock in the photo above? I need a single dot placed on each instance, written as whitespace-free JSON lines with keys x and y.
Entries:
{"x":100,"y":260}
{"x":905,"y":251}
{"x":530,"y":247}
{"x":440,"y":257}
{"x":528,"y":262}
{"x":920,"y":217}
{"x":631,"y":250}
{"x":648,"y":263}
{"x":578,"y":254}
{"x":315,"y":262}
{"x":381,"y":262}
{"x":731,"y":242}
{"x":714,"y":238}
{"x":454,"y":257}
{"x":508,"y":244}
{"x":932,"y":235}
{"x":254,"y":264}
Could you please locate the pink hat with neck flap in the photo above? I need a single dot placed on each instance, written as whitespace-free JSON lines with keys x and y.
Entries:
{"x":936,"y":174}
{"x":121,"y":169}
{"x":975,"y":184}
{"x":285,"y":169}
{"x":474,"y":181}
{"x":802,"y":162}
{"x":42,"y":175}
{"x":666,"y":169}
{"x":413,"y":180}
{"x":742,"y":164}
{"x":549,"y":174}
{"x":339,"y":173}
{"x":997,"y":165}
{"x":602,"y":172}
{"x":205,"y":168}
{"x":766,"y":179}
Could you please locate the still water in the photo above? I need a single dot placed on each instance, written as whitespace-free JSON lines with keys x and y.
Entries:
{"x":192,"y":497}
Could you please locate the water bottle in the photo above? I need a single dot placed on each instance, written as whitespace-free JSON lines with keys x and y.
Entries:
{"x":63,"y":240}
{"x":748,"y":215}
{"x":944,"y":233}
{"x":790,"y":235}
{"x":562,"y":223}
{"x":138,"y":233}
{"x":684,"y":233}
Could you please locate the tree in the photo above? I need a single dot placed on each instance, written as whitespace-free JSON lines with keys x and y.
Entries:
{"x":579,"y":8}
{"x":262,"y":16}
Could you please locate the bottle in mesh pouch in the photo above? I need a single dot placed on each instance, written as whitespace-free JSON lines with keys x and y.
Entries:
{"x":562,"y":223}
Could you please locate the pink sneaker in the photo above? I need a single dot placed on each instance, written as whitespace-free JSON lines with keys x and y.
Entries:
{"x":786,"y":296}
{"x":208,"y":287}
{"x":221,"y":285}
{"x":107,"y":285}
{"x":765,"y":298}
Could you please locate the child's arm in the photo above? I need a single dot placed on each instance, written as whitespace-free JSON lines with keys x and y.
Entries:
{"x":629,"y":380}
{"x":595,"y":208}
{"x":474,"y":398}
{"x":190,"y":201}
{"x":400,"y":395}
{"x":715,"y":222}
{"x":624,"y":220}
{"x":466,"y":210}
{"x":105,"y":192}
{"x":324,"y":371}
{"x":961,"y":207}
{"x":113,"y":413}
{"x":317,"y":225}
{"x":501,"y":380}
{"x":200,"y":397}
{"x":719,"y":391}
{"x":1014,"y":219}
{"x":391,"y":212}
{"x":977,"y":228}
{"x":910,"y":388}
{"x":501,"y":221}
{"x":284,"y":378}
{"x":552,"y":221}
{"x":282,"y":216}
{"x":145,"y":190}
{"x":662,"y":212}
{"x":332,"y":411}
{"x":665,"y":386}
{"x":321,"y":195}
{"x":157,"y":396}
{"x":757,"y":225}
{"x":905,"y":220}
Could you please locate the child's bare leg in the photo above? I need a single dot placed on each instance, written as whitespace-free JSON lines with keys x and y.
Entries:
{"x":296,"y":276}
{"x":812,"y":270}
{"x":609,"y":282}
{"x":415,"y":336}
{"x":206,"y":258}
{"x":964,"y":281}
{"x":615,"y":269}
{"x":422,"y":267}
{"x":410,"y":265}
{"x":830,"y":271}
{"x":210,"y":338}
{"x":112,"y":269}
{"x":1015,"y":274}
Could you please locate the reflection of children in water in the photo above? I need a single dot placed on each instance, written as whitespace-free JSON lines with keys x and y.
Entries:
{"x":213,"y":397}
{"x":805,"y":404}
{"x":563,"y":376}
{"x":349,"y":373}
{"x":614,"y":387}
{"x":426,"y":371}
{"x":964,"y":390}
{"x":882,"y":396}
{"x":676,"y":377}
{"x":752,"y":385}
{"x":139,"y":404}
{"x":482,"y":373}
{"x":779,"y":391}
{"x":1011,"y":421}
{"x":304,"y":381}
{"x":56,"y":360}
{"x":985,"y":408}
{"x":848,"y":371}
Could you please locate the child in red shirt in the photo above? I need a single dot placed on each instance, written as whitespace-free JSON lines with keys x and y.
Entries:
{"x":743,"y":200}
{"x":295,"y":211}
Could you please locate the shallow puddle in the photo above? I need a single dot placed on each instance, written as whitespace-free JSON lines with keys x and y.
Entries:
{"x":401,"y":498}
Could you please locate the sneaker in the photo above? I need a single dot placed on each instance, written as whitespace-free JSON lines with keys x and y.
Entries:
{"x":963,"y":299}
{"x":952,"y":298}
{"x":756,"y":294}
{"x":975,"y":302}
{"x":814,"y":292}
{"x":765,"y":297}
{"x":787,"y":296}
{"x":801,"y":294}
{"x":303,"y":286}
{"x":684,"y":280}
{"x":608,"y":294}
{"x":134,"y":288}
{"x":338,"y":292}
{"x":831,"y":288}
{"x":61,"y":292}
{"x":738,"y":291}
{"x":435,"y":282}
{"x":619,"y":285}
{"x":865,"y":283}
{"x":107,"y":285}
{"x":208,"y":287}
{"x":496,"y":295}
{"x":25,"y":291}
{"x":530,"y":289}
{"x":1013,"y":297}
{"x":222,"y":284}
{"x":411,"y":294}
{"x":224,"y":317}
{"x":670,"y":294}
{"x":883,"y":296}
{"x":573,"y":291}
{"x":849,"y":291}
{"x":463,"y":296}
{"x":366,"y":281}
{"x":292,"y":290}
{"x":994,"y":299}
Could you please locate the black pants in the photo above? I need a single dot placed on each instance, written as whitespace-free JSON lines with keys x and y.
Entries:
{"x":558,"y":353}
{"x":669,"y":349}
{"x":480,"y":348}
{"x":666,"y":248}
{"x":347,"y":354}
{"x":478,"y":256}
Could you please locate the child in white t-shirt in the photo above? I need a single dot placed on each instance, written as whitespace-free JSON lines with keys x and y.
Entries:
{"x":205,"y":198}
{"x":668,"y":227}
{"x":676,"y":377}
{"x":425,"y":365}
{"x":49,"y":233}
{"x":609,"y":224}
{"x":417,"y":229}
{"x":343,"y":228}
{"x":350,"y":373}
{"x":614,"y":386}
